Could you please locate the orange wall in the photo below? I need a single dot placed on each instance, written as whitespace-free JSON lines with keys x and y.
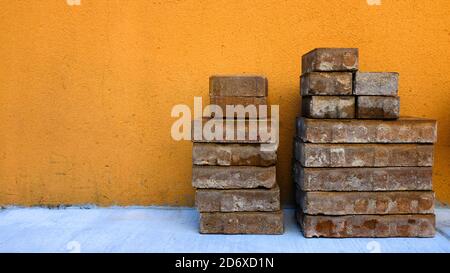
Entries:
{"x":86,"y":91}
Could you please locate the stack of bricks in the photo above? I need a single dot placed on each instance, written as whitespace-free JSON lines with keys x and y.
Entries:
{"x":360,"y":170}
{"x":235,"y":180}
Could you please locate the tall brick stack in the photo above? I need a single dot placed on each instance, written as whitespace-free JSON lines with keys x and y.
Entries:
{"x":235,"y":180}
{"x":360,"y":170}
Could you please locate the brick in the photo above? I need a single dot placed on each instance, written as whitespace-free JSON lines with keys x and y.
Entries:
{"x":364,"y":155}
{"x":330,"y":59}
{"x":234,"y":177}
{"x":378,"y":107}
{"x":328,"y":106}
{"x":344,"y":203}
{"x":376,"y":83}
{"x":240,"y":130}
{"x":246,"y":102}
{"x":403,"y":130}
{"x":238,"y":85}
{"x":232,"y":155}
{"x":238,"y":200}
{"x":326,"y":83}
{"x":416,"y":225}
{"x":363,"y":179}
{"x":241,"y":223}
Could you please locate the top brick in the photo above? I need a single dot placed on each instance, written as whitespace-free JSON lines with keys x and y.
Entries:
{"x":237,"y":86}
{"x":330,"y":59}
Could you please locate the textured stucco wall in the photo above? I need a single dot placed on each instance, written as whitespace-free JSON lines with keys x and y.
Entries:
{"x":86,"y":91}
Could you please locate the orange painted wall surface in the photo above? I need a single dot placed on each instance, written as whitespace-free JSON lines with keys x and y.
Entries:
{"x":86,"y":91}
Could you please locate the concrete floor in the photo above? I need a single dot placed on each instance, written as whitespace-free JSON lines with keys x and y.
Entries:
{"x":156,"y":229}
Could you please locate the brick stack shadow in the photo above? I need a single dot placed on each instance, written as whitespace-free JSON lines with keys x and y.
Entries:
{"x":360,"y":170}
{"x":235,"y":180}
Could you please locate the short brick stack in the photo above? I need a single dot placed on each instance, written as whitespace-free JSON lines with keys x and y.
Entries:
{"x":235,"y":180}
{"x":360,"y":170}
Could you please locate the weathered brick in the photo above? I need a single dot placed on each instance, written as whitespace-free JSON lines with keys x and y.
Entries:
{"x":326,"y":83}
{"x":416,"y":225}
{"x":378,"y":107}
{"x":241,"y":222}
{"x":238,"y":200}
{"x":363,"y":179}
{"x":345,"y":203}
{"x":234,"y":177}
{"x":403,"y":130}
{"x":238,"y":85}
{"x":330,"y":59}
{"x":249,"y":104}
{"x":232,"y":155}
{"x":376,"y":83}
{"x":364,"y":155}
{"x":328,"y":106}
{"x":233,"y":130}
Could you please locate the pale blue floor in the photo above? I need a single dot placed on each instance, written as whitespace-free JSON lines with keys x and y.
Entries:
{"x":175,"y":230}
